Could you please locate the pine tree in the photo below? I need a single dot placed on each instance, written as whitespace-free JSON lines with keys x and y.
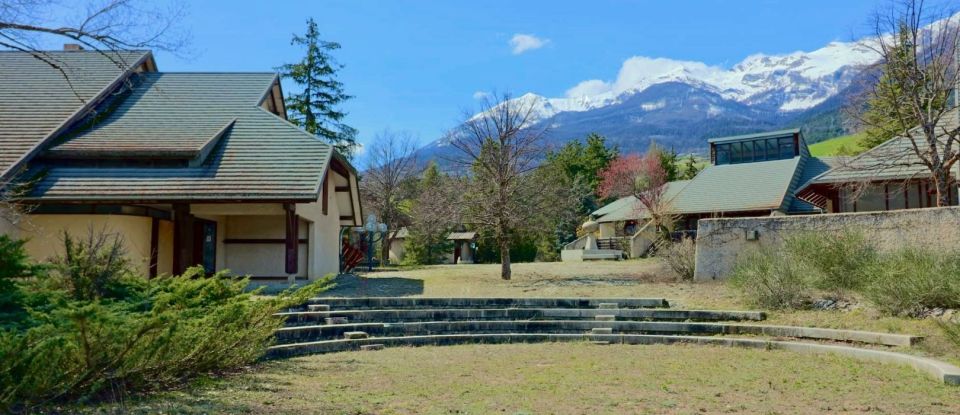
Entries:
{"x":690,"y":169}
{"x":316,"y":107}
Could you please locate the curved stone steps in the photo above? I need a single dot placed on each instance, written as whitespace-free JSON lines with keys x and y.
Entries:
{"x":938,"y":370}
{"x":335,"y":331}
{"x":373,"y":303}
{"x":468,"y":314}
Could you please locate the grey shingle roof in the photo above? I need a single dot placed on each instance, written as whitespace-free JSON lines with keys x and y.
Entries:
{"x":36,"y":99}
{"x":260,"y":156}
{"x":738,"y":187}
{"x":892,"y":160}
{"x":629,"y":208}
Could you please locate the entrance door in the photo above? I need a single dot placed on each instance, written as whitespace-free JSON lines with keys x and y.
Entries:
{"x":456,"y":252}
{"x":205,"y":244}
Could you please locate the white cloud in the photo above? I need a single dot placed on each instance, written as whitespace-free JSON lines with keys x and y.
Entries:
{"x":589,"y":88}
{"x":521,"y":43}
{"x":481,"y":95}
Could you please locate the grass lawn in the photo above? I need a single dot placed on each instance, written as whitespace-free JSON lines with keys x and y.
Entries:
{"x":569,"y":378}
{"x":633,"y":278}
{"x":848,"y":144}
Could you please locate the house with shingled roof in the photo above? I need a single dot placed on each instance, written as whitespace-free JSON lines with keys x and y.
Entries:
{"x":748,"y":175}
{"x":889,"y":176}
{"x":188,"y":168}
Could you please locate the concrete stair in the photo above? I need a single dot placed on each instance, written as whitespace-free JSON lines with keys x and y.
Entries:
{"x":326,"y":325}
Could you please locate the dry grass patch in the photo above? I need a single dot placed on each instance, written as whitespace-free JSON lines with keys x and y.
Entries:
{"x":633,"y":278}
{"x":568,"y":378}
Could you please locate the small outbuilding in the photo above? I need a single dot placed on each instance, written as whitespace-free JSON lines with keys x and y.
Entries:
{"x":464,"y":247}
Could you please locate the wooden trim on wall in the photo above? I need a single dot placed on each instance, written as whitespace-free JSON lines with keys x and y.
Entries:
{"x":886,"y":196}
{"x":291,"y":245}
{"x":240,"y":241}
{"x":154,"y":246}
{"x":325,"y":194}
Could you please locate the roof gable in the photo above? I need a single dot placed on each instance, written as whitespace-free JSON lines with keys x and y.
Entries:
{"x":258,"y":156}
{"x":37,"y":101}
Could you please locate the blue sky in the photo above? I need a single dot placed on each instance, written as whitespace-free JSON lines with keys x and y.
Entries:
{"x":415,"y":65}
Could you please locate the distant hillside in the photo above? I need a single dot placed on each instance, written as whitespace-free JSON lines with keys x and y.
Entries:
{"x":847,"y":145}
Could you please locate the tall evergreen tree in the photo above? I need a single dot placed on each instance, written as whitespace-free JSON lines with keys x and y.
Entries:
{"x":317,"y":107}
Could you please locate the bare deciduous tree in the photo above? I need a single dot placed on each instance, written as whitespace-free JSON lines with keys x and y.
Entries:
{"x":502,"y":148}
{"x":388,"y":180}
{"x":108,"y":27}
{"x":916,"y":78}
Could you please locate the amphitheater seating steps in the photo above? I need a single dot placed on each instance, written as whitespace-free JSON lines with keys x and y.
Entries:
{"x":325,"y":325}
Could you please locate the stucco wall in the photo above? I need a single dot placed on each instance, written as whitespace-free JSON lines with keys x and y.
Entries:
{"x":324,"y":235}
{"x":721,"y":241}
{"x":608,"y":229}
{"x":397,"y":248}
{"x":259,"y":259}
{"x":44,"y":234}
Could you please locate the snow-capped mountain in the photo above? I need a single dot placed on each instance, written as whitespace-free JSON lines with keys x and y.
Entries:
{"x":680,"y":104}
{"x":792,"y":82}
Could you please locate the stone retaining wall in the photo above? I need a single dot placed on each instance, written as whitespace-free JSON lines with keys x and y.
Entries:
{"x":721,"y":241}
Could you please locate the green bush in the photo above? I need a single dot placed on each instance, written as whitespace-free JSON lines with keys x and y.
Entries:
{"x":952,"y":330}
{"x":837,"y":263}
{"x":908,"y":281}
{"x":93,"y":331}
{"x":772,"y":278}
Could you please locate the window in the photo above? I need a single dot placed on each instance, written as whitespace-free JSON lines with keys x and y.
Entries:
{"x":771,"y":148}
{"x":723,"y":154}
{"x":786,"y":148}
{"x":736,"y":152}
{"x":763,"y":149}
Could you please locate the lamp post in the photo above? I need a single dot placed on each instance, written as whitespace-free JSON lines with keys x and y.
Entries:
{"x":375,"y":232}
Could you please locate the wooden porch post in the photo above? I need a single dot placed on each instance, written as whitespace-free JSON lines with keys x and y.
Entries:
{"x":291,"y":242}
{"x":154,"y":246}
{"x":182,"y":238}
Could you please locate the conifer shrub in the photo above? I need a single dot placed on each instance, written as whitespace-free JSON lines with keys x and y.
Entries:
{"x":91,"y":329}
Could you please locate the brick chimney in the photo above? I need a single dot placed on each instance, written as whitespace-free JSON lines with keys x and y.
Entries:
{"x":72,"y":46}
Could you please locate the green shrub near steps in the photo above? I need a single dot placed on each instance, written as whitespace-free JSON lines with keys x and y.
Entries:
{"x":89,"y":330}
{"x":911,"y":280}
{"x":773,"y":279}
{"x":903,"y":282}
{"x":837,"y":263}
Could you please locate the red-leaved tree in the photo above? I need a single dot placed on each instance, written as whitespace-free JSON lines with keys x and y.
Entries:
{"x":642,"y":177}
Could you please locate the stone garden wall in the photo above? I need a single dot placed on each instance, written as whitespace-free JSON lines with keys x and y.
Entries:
{"x":721,"y":241}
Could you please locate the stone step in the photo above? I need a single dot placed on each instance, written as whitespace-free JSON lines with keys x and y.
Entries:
{"x":941,"y":371}
{"x":318,"y":307}
{"x":329,"y":332}
{"x":608,"y":306}
{"x":605,"y":317}
{"x":363,"y":303}
{"x":371,"y":347}
{"x":601,"y":330}
{"x":355,"y":335}
{"x":335,"y":320}
{"x":408,"y":315}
